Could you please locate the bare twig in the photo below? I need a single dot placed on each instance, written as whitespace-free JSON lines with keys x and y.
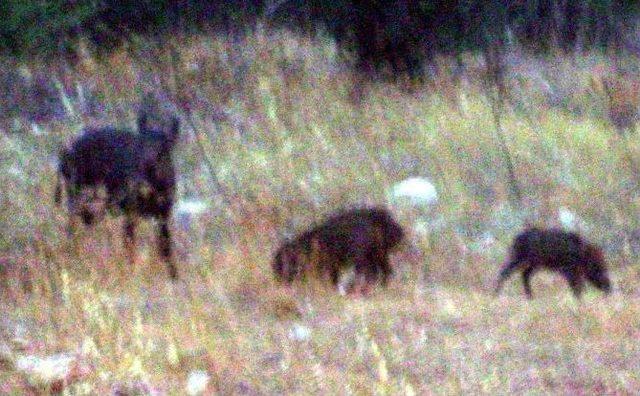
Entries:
{"x":497,"y":93}
{"x":179,"y":86}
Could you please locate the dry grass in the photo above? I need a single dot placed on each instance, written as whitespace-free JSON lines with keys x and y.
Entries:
{"x":274,"y":116}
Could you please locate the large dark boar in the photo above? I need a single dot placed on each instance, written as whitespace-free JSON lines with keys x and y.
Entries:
{"x":359,"y":237}
{"x":124,"y":173}
{"x":557,"y":250}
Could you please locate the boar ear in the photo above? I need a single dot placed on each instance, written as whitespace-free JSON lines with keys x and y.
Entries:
{"x":142,"y":122}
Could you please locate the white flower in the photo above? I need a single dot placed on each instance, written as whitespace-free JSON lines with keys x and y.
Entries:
{"x":37,"y":130}
{"x":191,"y":207}
{"x":567,"y":218}
{"x":187,"y":210}
{"x":48,"y":369}
{"x":197,"y":382}
{"x":299,"y":332}
{"x":419,"y":191}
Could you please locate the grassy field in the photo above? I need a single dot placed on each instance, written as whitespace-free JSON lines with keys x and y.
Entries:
{"x":277,"y":119}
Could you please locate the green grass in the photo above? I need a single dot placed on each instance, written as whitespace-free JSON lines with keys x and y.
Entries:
{"x":292,"y":148}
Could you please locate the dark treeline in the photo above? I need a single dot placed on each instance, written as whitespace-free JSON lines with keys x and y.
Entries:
{"x":399,"y":33}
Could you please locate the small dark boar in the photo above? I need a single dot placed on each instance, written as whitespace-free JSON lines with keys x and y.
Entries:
{"x":557,"y":250}
{"x":134,"y":172}
{"x":359,"y":237}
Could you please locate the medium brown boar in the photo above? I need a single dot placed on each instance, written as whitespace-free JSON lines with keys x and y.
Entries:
{"x":134,"y":172}
{"x":360,"y":237}
{"x":556,"y":250}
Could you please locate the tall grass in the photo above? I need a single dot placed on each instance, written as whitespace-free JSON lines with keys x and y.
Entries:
{"x":276,"y":118}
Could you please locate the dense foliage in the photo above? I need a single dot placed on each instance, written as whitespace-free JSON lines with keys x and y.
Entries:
{"x":400,"y":32}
